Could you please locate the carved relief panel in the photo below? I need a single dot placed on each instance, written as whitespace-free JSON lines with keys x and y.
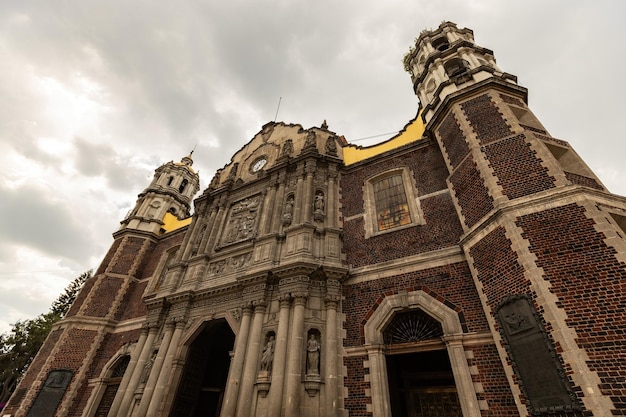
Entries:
{"x":242,"y":223}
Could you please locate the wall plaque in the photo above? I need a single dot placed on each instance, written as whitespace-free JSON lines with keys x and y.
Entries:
{"x":50,"y":395}
{"x":536,"y":363}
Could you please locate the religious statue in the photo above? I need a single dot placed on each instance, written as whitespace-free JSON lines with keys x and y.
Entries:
{"x":310,"y":140}
{"x":287,"y":148}
{"x":319,"y":204}
{"x":288,"y":211}
{"x":267,"y":356}
{"x":331,"y":145}
{"x":313,"y":355}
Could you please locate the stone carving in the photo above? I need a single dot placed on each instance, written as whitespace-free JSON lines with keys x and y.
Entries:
{"x":145,"y":373}
{"x":239,"y":261}
{"x":288,"y":210}
{"x":233,"y":171}
{"x":313,"y":355}
{"x":217,"y":267}
{"x":319,"y":205}
{"x":324,"y":125}
{"x":236,"y":314}
{"x":242,"y":221}
{"x":287,"y":148}
{"x":331,"y":146}
{"x":267,"y":357}
{"x":310,"y":140}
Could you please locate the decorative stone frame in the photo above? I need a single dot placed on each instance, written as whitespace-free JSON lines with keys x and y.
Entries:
{"x":99,"y":385}
{"x":369,"y":203}
{"x":452,"y":337}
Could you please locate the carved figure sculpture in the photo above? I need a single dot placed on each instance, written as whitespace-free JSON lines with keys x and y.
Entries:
{"x":287,"y":148}
{"x":313,"y":355}
{"x":288,"y":211}
{"x":268,"y":354}
{"x":319,"y":204}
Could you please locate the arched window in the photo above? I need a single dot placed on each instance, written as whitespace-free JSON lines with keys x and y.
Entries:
{"x":182,"y":186}
{"x":170,"y":180}
{"x":456,"y":67}
{"x":440,"y":44}
{"x":112,"y":384}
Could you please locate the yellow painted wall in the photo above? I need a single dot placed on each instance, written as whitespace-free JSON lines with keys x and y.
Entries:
{"x":171,"y":222}
{"x":412,"y":132}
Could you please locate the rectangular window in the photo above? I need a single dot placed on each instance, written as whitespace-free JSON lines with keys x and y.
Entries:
{"x":392,"y":208}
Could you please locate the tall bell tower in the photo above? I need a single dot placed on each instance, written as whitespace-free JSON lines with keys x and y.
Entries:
{"x":173,"y":186}
{"x":529,"y":207}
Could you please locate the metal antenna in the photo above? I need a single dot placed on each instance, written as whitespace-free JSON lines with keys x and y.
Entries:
{"x":277,"y":108}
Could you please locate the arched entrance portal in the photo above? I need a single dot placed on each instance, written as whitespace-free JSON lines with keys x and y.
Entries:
{"x":201,"y":389}
{"x":416,"y":337}
{"x":420,"y":378}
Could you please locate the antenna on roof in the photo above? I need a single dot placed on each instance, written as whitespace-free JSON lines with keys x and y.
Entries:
{"x":194,"y":148}
{"x":279,"y":99}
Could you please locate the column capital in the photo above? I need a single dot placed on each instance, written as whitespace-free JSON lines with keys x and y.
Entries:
{"x":284,"y":300}
{"x":299,"y":297}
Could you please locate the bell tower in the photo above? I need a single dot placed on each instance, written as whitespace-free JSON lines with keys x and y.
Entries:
{"x":173,"y":186}
{"x":526,"y":201}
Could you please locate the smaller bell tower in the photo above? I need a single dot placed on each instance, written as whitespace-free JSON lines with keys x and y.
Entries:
{"x":171,"y":191}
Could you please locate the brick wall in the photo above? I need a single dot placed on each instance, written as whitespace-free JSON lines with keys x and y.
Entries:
{"x":105,"y":292}
{"x":107,"y":259}
{"x":450,"y":284}
{"x":521,"y":174}
{"x":491,"y":375}
{"x":109,"y":346}
{"x":590,"y":284}
{"x":485,"y":119}
{"x":453,"y":141}
{"x":125,"y":260}
{"x":356,"y":401}
{"x":471,"y":193}
{"x":80,"y":298}
{"x":440,"y":230}
{"x":157,"y":251}
{"x":132,"y":305}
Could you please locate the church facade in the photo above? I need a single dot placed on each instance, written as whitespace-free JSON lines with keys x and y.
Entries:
{"x":473,"y":265}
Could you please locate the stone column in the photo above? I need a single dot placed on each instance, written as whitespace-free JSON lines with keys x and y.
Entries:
{"x":378,"y":381}
{"x":280,"y":358}
{"x":269,"y":198}
{"x":297,"y":212}
{"x":294,"y":363}
{"x":279,"y":201}
{"x":236,"y":367}
{"x":331,"y":205}
{"x":332,"y":397}
{"x":246,"y":400}
{"x":155,"y":371}
{"x":462,"y":380}
{"x":132,"y":376}
{"x":166,"y":369}
{"x":307,"y":207}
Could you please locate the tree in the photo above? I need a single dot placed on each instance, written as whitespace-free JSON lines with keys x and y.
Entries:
{"x":19,"y":347}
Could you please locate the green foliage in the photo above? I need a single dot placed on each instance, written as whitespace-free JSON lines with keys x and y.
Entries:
{"x":19,"y":347}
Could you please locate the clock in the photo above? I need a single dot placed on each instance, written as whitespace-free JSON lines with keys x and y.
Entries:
{"x":259,"y":164}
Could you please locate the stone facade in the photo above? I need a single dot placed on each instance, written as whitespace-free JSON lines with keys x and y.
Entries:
{"x":476,"y":269}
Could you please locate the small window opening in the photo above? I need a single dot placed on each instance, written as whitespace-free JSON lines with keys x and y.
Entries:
{"x":440,"y":44}
{"x":456,"y":67}
{"x":182,"y":186}
{"x":170,"y":180}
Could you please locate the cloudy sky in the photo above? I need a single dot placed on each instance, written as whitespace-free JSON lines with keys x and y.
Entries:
{"x":95,"y":95}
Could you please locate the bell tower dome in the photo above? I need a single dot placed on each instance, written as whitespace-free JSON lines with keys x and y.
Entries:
{"x":447,"y":60}
{"x":171,"y":191}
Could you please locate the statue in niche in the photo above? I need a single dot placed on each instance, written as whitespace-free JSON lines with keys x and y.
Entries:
{"x":310,"y":139}
{"x":319,"y":204}
{"x":331,"y":146}
{"x":288,"y":211}
{"x":313,"y":355}
{"x":267,"y":357}
{"x":287,"y":148}
{"x":145,"y":373}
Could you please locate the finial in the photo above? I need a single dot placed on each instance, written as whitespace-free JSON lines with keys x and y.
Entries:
{"x":324,"y":125}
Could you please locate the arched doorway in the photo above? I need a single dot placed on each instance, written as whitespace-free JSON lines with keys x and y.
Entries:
{"x":202,"y":386}
{"x":431,"y":352}
{"x":419,"y":373}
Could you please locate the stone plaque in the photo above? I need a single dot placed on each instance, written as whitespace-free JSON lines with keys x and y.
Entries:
{"x":535,"y":361}
{"x":51,"y":393}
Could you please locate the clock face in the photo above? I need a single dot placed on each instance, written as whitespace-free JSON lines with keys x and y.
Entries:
{"x":258,"y":164}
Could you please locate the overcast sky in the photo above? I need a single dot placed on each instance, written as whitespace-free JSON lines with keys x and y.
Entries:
{"x":95,"y":95}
